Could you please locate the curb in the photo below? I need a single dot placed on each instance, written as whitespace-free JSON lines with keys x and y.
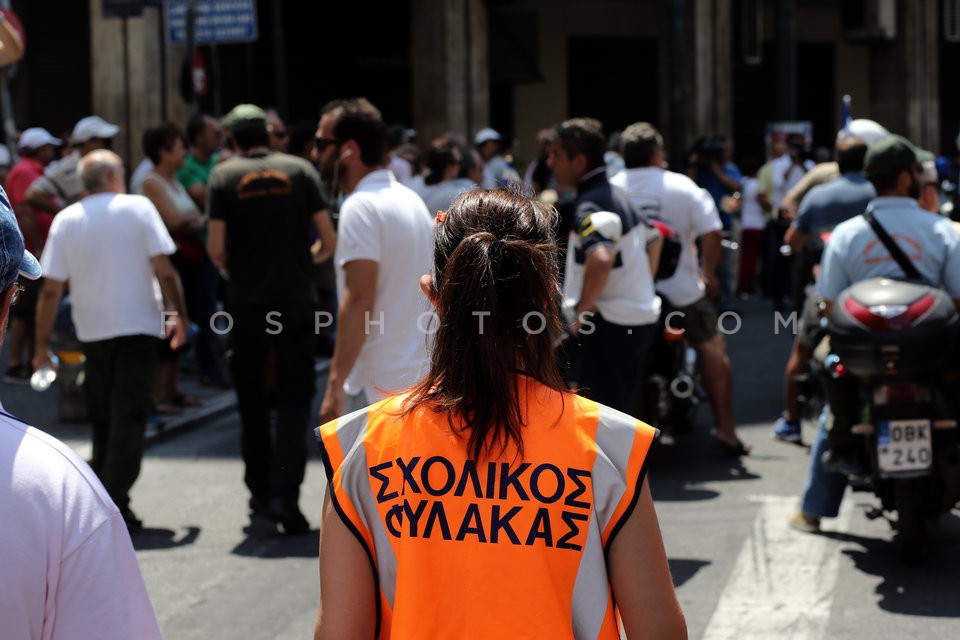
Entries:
{"x":213,"y":408}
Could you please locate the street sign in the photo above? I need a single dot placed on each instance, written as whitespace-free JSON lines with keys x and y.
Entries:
{"x":218,"y":21}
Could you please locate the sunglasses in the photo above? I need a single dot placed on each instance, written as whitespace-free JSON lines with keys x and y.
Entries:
{"x":322,"y":143}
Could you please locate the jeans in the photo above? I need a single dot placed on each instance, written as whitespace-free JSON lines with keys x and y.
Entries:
{"x":824,"y":490}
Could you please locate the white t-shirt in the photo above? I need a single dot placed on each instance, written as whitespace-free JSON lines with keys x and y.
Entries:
{"x":785,"y":176}
{"x":69,"y":569}
{"x":751,"y":213}
{"x":677,"y":200}
{"x":386,"y":222}
{"x":102,"y":245}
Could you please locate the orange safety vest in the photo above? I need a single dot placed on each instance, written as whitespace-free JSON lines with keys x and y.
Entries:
{"x":503,"y":548}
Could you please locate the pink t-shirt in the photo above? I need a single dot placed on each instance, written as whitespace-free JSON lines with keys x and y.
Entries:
{"x":69,"y":569}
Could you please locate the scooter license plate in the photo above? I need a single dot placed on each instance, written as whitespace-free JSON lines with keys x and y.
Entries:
{"x":904,"y":445}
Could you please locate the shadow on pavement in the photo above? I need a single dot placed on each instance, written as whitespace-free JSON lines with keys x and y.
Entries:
{"x":264,"y":540}
{"x":151,"y":538}
{"x":925,"y":588}
{"x":683,"y":569}
{"x":678,"y":469}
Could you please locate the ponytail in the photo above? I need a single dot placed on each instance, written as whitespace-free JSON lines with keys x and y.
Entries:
{"x":496,"y":291}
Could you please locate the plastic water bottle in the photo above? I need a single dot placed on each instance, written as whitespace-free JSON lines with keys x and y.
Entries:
{"x":43,"y":377}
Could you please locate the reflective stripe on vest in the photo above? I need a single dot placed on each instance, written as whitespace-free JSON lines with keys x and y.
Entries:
{"x":514,"y":536}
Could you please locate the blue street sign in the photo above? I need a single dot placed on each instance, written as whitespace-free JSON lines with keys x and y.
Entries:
{"x":218,"y":21}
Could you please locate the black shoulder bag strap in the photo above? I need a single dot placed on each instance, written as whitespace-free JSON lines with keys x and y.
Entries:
{"x":896,"y":252}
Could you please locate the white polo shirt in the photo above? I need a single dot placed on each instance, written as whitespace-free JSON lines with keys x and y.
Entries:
{"x":102,"y":245}
{"x":388,"y":223}
{"x":677,"y":200}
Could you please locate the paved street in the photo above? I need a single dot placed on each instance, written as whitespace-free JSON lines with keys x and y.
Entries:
{"x":741,"y":573}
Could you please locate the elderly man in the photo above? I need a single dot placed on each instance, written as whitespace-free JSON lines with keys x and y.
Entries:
{"x":69,"y":569}
{"x":113,"y":249}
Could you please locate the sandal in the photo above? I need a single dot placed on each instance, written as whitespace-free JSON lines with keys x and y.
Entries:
{"x":182,"y":400}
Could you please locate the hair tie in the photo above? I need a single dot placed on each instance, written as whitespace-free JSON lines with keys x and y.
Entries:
{"x":441,"y":216}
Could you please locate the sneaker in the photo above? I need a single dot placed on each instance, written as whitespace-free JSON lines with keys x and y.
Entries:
{"x":786,"y":431}
{"x":19,"y":374}
{"x":804,"y":522}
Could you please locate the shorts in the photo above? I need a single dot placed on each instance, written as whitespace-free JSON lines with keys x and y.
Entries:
{"x":698,"y":320}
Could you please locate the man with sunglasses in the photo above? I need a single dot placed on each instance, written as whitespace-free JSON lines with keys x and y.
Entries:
{"x":69,"y":568}
{"x":384,"y":246}
{"x":61,"y":185}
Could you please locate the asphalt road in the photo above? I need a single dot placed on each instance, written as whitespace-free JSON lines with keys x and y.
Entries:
{"x":740,"y":572}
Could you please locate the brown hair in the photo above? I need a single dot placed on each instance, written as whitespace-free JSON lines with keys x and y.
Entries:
{"x":494,"y":261}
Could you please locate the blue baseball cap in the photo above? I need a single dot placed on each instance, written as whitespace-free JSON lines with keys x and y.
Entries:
{"x":15,"y":261}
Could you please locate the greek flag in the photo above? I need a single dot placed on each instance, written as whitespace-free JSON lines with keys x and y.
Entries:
{"x":845,"y":116}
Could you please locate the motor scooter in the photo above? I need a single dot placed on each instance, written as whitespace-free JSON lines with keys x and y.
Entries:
{"x":896,"y":342}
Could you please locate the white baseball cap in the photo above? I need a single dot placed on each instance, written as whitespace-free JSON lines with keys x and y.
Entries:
{"x":36,"y":137}
{"x":485,"y":135}
{"x":93,"y":127}
{"x":867,"y":130}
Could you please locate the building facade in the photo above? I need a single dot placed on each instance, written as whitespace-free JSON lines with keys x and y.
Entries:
{"x":691,"y":67}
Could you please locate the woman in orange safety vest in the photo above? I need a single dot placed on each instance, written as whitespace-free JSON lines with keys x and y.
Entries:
{"x":489,"y":502}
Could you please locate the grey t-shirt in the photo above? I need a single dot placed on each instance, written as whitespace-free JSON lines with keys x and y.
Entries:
{"x":854,"y":252}
{"x":827,"y":205}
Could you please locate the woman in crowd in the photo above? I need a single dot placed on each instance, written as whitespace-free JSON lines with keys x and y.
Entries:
{"x":165,"y":147}
{"x":489,"y":502}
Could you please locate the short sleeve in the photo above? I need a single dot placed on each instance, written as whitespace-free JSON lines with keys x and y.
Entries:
{"x":217,"y":204}
{"x":359,"y":231}
{"x":951,"y":268}
{"x":315,"y":198}
{"x":704,"y":216}
{"x":52,"y":260}
{"x":804,"y":220}
{"x":158,"y":239}
{"x":833,"y":276}
{"x":594,"y":228}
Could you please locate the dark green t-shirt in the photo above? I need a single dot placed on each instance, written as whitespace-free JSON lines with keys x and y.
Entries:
{"x":267,"y":202}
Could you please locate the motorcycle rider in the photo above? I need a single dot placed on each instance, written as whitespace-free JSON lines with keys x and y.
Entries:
{"x":893,"y":166}
{"x":823,"y":208}
{"x":678,"y":201}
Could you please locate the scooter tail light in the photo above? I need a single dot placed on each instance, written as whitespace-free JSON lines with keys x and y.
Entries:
{"x":944,"y":424}
{"x":862,"y":429}
{"x":672,"y":335}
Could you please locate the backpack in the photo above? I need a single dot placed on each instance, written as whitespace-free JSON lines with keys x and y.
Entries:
{"x":670,"y":252}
